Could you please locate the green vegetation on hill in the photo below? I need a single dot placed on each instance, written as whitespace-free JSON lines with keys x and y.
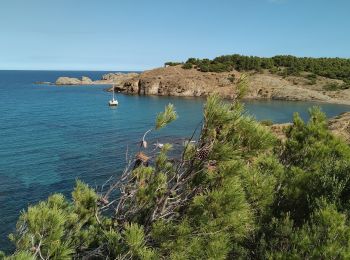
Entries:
{"x":335,"y":68}
{"x":237,"y":193}
{"x":336,"y":86}
{"x":172,"y":63}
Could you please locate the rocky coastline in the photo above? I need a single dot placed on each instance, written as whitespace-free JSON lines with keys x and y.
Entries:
{"x":176,"y":81}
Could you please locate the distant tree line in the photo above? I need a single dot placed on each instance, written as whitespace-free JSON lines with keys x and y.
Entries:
{"x":335,"y":68}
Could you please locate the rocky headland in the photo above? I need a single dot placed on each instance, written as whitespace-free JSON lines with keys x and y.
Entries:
{"x":176,"y":81}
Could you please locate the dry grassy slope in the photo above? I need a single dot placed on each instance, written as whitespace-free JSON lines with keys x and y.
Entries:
{"x":176,"y":81}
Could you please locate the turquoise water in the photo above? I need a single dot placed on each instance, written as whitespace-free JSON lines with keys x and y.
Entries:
{"x":50,"y":136}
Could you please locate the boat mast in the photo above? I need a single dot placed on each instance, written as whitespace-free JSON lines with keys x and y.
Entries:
{"x":113,"y":92}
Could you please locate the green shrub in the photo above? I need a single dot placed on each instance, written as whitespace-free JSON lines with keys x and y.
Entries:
{"x":312,"y":81}
{"x":274,"y":70}
{"x":333,"y":86}
{"x":187,"y":66}
{"x":311,"y":76}
{"x":172,"y":63}
{"x":204,"y":67}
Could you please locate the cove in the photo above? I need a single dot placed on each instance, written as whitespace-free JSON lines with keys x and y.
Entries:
{"x":50,"y":136}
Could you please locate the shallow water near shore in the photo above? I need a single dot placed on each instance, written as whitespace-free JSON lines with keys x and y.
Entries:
{"x":50,"y":136}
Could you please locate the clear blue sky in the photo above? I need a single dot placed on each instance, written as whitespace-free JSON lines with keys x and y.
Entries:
{"x":142,"y":34}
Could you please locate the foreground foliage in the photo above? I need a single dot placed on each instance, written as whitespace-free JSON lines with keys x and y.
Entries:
{"x":237,"y":192}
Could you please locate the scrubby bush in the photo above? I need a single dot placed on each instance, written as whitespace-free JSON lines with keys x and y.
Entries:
{"x":172,"y":63}
{"x":333,"y":86}
{"x":312,"y":78}
{"x":187,"y":66}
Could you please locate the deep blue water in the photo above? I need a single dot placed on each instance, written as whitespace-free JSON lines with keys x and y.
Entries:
{"x":50,"y":136}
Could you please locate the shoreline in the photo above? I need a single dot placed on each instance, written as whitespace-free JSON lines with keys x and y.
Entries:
{"x":175,"y":81}
{"x":110,"y":84}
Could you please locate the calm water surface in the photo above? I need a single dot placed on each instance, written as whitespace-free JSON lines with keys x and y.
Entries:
{"x":50,"y":136}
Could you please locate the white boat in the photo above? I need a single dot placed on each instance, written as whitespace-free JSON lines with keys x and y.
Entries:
{"x":113,"y":102}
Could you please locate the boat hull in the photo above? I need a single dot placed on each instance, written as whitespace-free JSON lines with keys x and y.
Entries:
{"x":111,"y":103}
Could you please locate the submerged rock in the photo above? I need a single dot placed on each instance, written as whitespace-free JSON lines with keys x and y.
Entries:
{"x":42,"y":83}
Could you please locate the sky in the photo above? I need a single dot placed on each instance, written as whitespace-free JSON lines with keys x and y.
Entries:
{"x":143,"y":34}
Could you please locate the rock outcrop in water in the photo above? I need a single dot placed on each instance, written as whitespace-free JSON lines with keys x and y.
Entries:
{"x":86,"y":81}
{"x":68,"y":81}
{"x":107,"y":79}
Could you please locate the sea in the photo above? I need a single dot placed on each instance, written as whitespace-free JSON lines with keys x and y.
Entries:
{"x":50,"y":136}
